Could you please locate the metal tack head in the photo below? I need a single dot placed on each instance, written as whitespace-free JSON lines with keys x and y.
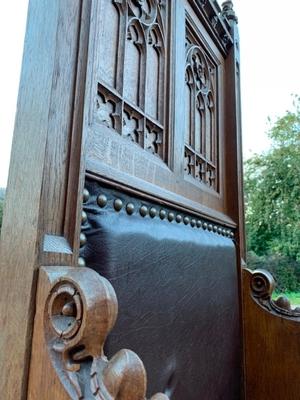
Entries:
{"x":85,"y":195}
{"x":82,"y":239}
{"x":143,"y":211}
{"x":193,"y":223}
{"x":118,"y":204}
{"x":204,"y":225}
{"x":186,"y":220}
{"x":162,"y":214}
{"x":83,"y":217}
{"x":152,"y":212}
{"x":220,"y":230}
{"x":130,"y":208}
{"x":81,"y":262}
{"x":101,"y":200}
{"x":210,"y":227}
{"x":178,"y":218}
{"x":199,"y":223}
{"x":171,"y":216}
{"x":215,"y":228}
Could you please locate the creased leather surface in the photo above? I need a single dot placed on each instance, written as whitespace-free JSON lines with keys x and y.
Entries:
{"x":178,"y":298}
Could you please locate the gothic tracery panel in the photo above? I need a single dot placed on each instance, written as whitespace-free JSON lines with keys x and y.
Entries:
{"x":200,"y":114}
{"x":131,"y":70}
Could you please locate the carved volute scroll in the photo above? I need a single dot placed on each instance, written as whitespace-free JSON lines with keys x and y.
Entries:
{"x":200,"y":114}
{"x":262,"y":286}
{"x":80,"y":310}
{"x":130,"y":70}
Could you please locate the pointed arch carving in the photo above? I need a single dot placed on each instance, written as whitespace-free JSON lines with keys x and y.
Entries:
{"x":132,"y":69}
{"x":200,"y":115}
{"x":134,"y":63}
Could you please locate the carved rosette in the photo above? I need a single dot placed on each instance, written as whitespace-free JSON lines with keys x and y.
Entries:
{"x":262,"y":286}
{"x":80,"y":311}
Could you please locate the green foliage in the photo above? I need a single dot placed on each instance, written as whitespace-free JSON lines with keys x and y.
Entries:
{"x":285,"y":270}
{"x":272,"y":194}
{"x":1,"y":212}
{"x":294,"y":297}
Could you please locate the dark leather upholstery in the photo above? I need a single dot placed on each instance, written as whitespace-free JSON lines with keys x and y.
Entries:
{"x":178,"y":297}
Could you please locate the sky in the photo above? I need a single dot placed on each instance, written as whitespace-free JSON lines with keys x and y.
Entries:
{"x":270,"y":67}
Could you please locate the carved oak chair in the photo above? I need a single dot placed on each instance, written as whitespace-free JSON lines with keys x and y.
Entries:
{"x":123,"y":224}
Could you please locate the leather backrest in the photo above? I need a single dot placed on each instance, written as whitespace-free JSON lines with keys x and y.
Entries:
{"x":177,"y":289}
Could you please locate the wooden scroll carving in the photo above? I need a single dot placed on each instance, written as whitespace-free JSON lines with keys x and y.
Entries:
{"x":80,"y":310}
{"x":271,"y":340}
{"x":262,"y":287}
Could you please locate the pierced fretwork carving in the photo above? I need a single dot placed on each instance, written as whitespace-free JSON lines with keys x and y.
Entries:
{"x":131,"y":68}
{"x":80,"y":311}
{"x":262,"y":287}
{"x":200,"y":114}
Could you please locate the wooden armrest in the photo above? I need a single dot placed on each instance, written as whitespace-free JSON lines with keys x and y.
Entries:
{"x":272,"y":340}
{"x":76,"y":310}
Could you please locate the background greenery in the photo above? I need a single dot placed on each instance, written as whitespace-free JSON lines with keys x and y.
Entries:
{"x":2,"y":195}
{"x":272,"y":196}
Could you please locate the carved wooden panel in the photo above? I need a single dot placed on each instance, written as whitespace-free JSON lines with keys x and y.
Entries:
{"x":130,"y":69}
{"x":155,"y":100}
{"x":200,"y":151}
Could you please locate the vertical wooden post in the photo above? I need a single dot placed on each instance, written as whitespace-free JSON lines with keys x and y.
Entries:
{"x":45,"y":174}
{"x":234,"y":159}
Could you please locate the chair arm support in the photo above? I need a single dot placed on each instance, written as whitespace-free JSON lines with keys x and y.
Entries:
{"x":271,"y":340}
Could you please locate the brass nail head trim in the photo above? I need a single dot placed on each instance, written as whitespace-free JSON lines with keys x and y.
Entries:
{"x":186,"y":220}
{"x":85,"y":195}
{"x":171,"y":216}
{"x":130,"y":208}
{"x":82,"y":239}
{"x":152,"y":212}
{"x":143,"y":211}
{"x":81,"y":262}
{"x":83,"y":217}
{"x":162,"y":214}
{"x":178,"y":218}
{"x":102,"y":200}
{"x":118,"y":204}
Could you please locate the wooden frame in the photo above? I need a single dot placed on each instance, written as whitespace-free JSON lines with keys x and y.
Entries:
{"x":41,"y":224}
{"x":51,"y":180}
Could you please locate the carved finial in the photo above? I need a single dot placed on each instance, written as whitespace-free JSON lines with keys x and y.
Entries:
{"x":284,"y":303}
{"x":228,"y":11}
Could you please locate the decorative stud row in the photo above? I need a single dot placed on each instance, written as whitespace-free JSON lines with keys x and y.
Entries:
{"x":153,"y":212}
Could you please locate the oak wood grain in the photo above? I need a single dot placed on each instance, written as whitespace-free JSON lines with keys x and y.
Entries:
{"x":76,"y":309}
{"x":271,"y":349}
{"x":42,"y":153}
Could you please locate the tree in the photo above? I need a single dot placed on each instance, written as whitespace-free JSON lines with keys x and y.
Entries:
{"x":1,"y":212}
{"x":272,"y":191}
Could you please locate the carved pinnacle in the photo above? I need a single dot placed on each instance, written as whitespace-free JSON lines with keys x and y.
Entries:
{"x":228,"y":11}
